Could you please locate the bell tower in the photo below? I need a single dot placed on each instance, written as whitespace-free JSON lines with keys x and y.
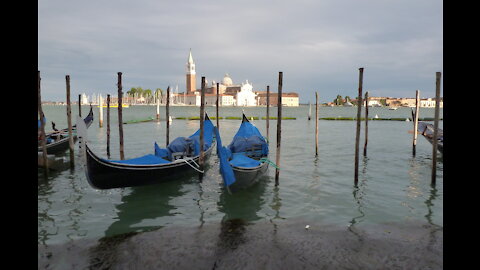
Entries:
{"x":191,"y":82}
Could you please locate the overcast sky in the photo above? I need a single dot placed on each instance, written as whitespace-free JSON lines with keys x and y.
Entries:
{"x":318,"y":45}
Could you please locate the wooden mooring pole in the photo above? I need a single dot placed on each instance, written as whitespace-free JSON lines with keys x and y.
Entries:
{"x":279,"y":125}
{"x":316,"y":124}
{"x":415,"y":122}
{"x":80,"y":105}
{"x":310,"y":110}
{"x":120,"y":116}
{"x":202,"y":119}
{"x":43,"y":139}
{"x":167,"y":114}
{"x":268,"y":112}
{"x":359,"y":112}
{"x":69,"y":119}
{"x":108,"y":126}
{"x":435,"y":125}
{"x":366,"y":125}
{"x":100,"y":111}
{"x":218,"y":97}
{"x":158,"y":107}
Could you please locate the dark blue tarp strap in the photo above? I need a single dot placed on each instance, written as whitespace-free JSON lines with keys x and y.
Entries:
{"x":225,"y":169}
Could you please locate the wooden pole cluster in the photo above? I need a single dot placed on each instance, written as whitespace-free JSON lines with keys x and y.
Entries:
{"x":359,"y":112}
{"x":202,"y":119}
{"x":316,"y":124}
{"x":120,"y":116}
{"x":69,"y":119}
{"x":108,"y":126}
{"x":366,"y":125}
{"x":167,"y":112}
{"x":268,"y":112}
{"x":279,"y":125}
{"x":435,"y":131}
{"x":100,"y":111}
{"x":218,"y":97}
{"x":415,"y":122}
{"x":42,"y":128}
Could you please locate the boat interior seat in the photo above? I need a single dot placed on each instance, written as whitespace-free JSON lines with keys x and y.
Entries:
{"x":179,"y":155}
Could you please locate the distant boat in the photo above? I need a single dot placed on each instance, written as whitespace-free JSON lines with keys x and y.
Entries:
{"x":376,"y":116}
{"x":347,"y":104}
{"x":393,"y":108}
{"x":170,"y":120}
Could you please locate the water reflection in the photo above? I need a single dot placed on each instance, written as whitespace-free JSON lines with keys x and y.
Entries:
{"x":243,"y":204}
{"x":45,"y":221}
{"x":145,"y":202}
{"x":358,"y":196}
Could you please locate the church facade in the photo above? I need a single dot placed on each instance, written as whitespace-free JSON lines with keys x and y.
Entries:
{"x":230,"y":94}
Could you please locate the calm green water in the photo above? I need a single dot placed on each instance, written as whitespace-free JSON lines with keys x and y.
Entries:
{"x":394,"y":187}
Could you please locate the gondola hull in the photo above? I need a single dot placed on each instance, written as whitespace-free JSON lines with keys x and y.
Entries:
{"x":247,"y":177}
{"x":58,"y":147}
{"x":102,"y":174}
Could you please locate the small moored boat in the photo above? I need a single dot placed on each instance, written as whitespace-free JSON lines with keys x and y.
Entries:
{"x":427,"y":130}
{"x":58,"y":140}
{"x":180,"y":158}
{"x":246,"y":157}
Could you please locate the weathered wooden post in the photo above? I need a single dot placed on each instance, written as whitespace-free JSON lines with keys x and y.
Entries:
{"x":279,"y":125}
{"x":359,"y":112}
{"x":108,"y":126}
{"x":435,"y":125}
{"x":120,"y":116}
{"x":415,"y":122}
{"x":69,"y":119}
{"x":100,"y":111}
{"x":366,"y":125}
{"x":268,"y":112}
{"x":167,"y":119}
{"x":202,"y":119}
{"x":42,"y":129}
{"x":80,"y":105}
{"x":316,"y":124}
{"x":218,"y":97}
{"x":158,"y":107}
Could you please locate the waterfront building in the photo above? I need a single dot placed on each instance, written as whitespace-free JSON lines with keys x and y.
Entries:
{"x":288,"y":99}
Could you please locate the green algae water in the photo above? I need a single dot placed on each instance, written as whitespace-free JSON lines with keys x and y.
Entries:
{"x":394,"y":187}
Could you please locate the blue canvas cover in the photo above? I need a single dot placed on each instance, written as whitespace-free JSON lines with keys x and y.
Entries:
{"x":248,"y":137}
{"x":40,"y":122}
{"x":143,"y":160}
{"x":207,"y":137}
{"x":181,"y":144}
{"x":225,"y":168}
{"x":162,"y":152}
{"x":240,"y":160}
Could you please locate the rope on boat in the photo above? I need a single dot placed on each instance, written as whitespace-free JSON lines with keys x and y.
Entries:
{"x":269,"y":162}
{"x":186,"y":161}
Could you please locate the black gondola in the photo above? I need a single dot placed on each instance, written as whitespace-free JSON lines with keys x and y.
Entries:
{"x":246,"y":155}
{"x":179,"y":158}
{"x":427,"y":130}
{"x":58,"y":141}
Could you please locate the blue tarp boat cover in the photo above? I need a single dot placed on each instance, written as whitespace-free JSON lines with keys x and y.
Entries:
{"x":161,"y":152}
{"x":225,"y":168}
{"x":40,"y":123}
{"x":181,"y":144}
{"x":240,"y":160}
{"x":207,"y":137}
{"x":248,"y":137}
{"x":144,"y":160}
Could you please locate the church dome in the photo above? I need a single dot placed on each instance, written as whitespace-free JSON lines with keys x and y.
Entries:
{"x":227,"y":81}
